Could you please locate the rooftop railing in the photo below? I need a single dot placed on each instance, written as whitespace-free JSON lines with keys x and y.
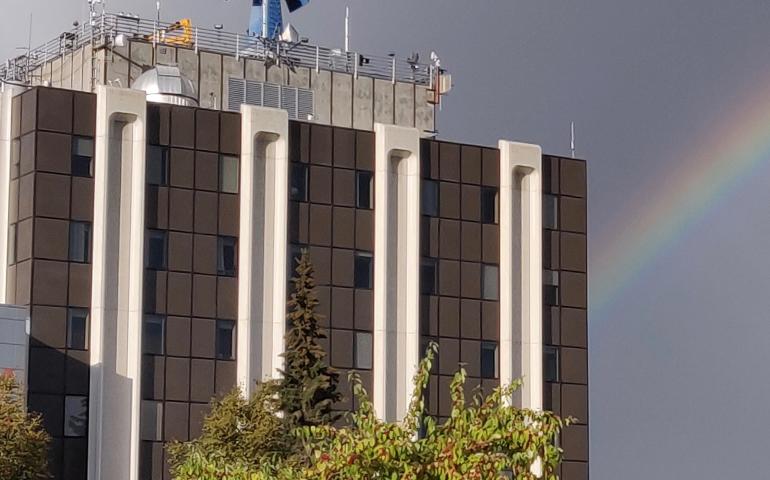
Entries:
{"x":110,"y":29}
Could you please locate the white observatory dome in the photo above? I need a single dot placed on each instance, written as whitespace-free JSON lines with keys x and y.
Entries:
{"x":166,"y":84}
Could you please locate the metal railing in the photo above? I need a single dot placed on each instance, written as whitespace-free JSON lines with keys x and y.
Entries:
{"x":106,"y":29}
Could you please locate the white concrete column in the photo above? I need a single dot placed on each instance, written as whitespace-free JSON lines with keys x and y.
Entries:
{"x":396,"y":268}
{"x":262,"y":260}
{"x":7,"y":92}
{"x":521,"y":263}
{"x":118,"y":267}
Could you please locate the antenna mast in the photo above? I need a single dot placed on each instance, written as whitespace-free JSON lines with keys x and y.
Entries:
{"x":265,"y":22}
{"x":572,"y":139}
{"x":347,"y":29}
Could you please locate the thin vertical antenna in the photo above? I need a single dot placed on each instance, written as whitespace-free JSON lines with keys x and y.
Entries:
{"x":29,"y":49}
{"x":572,"y":139}
{"x":347,"y":29}
{"x":265,"y":23}
{"x":157,"y":11}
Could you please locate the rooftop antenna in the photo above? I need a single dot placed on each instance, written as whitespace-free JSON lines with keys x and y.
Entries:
{"x":157,"y":10}
{"x":265,"y":20}
{"x":572,"y":139}
{"x":347,"y":29}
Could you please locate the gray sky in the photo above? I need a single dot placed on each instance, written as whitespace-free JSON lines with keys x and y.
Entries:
{"x":676,"y":353}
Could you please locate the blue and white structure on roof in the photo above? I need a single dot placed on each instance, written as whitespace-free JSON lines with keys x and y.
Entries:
{"x":267,"y":17}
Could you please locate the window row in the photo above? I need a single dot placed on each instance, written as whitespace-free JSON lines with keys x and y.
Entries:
{"x":299,"y":186}
{"x":488,"y":360}
{"x":154,"y":337}
{"x":429,"y":279}
{"x":156,"y":252}
{"x":363,"y":266}
{"x":158,"y":164}
{"x":79,"y":247}
{"x":489,"y":201}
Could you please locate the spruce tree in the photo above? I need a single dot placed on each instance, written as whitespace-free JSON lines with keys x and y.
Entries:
{"x":309,"y":384}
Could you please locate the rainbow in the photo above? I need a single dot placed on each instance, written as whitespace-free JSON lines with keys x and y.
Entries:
{"x":709,"y":171}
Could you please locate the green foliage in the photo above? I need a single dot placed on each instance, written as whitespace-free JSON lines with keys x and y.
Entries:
{"x":481,"y":439}
{"x":241,"y":439}
{"x":23,"y":441}
{"x":309,"y":385}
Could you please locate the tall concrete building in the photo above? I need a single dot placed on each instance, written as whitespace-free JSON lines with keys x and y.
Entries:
{"x":156,"y":184}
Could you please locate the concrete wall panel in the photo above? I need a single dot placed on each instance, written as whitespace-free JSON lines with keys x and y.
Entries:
{"x":77,"y":69}
{"x":255,"y":70}
{"x":210,"y":80}
{"x":321,"y":84}
{"x":363,"y":93}
{"x":404,"y":104}
{"x":300,"y":77}
{"x":141,"y":58}
{"x":342,"y":100}
{"x":230,"y":69}
{"x":188,"y":66}
{"x":56,"y":73}
{"x":423,"y":111}
{"x":117,"y":67}
{"x":66,"y":71}
{"x":383,"y":102}
{"x":165,"y":55}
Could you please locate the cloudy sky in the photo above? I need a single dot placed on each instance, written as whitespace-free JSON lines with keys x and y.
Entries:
{"x":672,"y":105}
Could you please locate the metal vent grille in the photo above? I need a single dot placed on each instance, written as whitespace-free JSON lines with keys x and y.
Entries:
{"x":297,"y":101}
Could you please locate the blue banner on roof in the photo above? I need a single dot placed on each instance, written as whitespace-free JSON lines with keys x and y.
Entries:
{"x":274,"y":16}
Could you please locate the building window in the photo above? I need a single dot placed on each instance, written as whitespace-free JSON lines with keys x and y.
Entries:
{"x":363,"y":270}
{"x":227,"y":256}
{"x":550,"y":287}
{"x":80,"y":242}
{"x":428,"y":276}
{"x":489,"y":364}
{"x":151,"y":420}
{"x":12,"y":244}
{"x":550,"y":212}
{"x":228,"y":174}
{"x":490,"y":210}
{"x":550,"y":364}
{"x":77,"y":328}
{"x":157,"y":165}
{"x":363,"y":350}
{"x":225,"y":339}
{"x":489,"y":282}
{"x":75,"y":416}
{"x":82,"y":157}
{"x":153,"y":334}
{"x":430,"y":198}
{"x":364,"y":190}
{"x":157,"y":246}
{"x":299,"y":181}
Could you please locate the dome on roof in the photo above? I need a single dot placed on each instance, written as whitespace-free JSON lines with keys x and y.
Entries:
{"x":166,"y":84}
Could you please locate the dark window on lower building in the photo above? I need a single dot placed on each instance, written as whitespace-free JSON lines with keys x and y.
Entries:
{"x":429,"y":198}
{"x":299,"y":181}
{"x":489,"y":366}
{"x":225,"y":339}
{"x":77,"y":328}
{"x":157,"y":165}
{"x":550,"y":287}
{"x":550,"y":364}
{"x":82,"y":157}
{"x":428,"y":276}
{"x":364,"y":190}
{"x":80,"y":242}
{"x":489,"y":282}
{"x":489,"y":205}
{"x":227,"y":256}
{"x":363,"y":350}
{"x":153,"y":334}
{"x":228,"y":174}
{"x":363,"y":270}
{"x":151,"y":420}
{"x":75,"y":416}
{"x":156,"y":249}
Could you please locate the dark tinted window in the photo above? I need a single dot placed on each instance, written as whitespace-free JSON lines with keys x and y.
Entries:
{"x":228,"y":174}
{"x":82,"y":156}
{"x":430,"y":198}
{"x":489,"y":211}
{"x":156,"y":245}
{"x":80,"y":242}
{"x":550,"y":212}
{"x":227,"y":256}
{"x":225,"y":339}
{"x":153,"y":334}
{"x":75,"y":416}
{"x":489,"y":360}
{"x":551,"y":364}
{"x":157,"y":165}
{"x":363,"y":350}
{"x":298,"y":186}
{"x":364,"y":190}
{"x":428,"y":276}
{"x":363,"y":273}
{"x":77,"y":328}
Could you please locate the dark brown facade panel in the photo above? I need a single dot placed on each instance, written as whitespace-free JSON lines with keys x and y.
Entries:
{"x":365,"y":150}
{"x":449,"y":316}
{"x":23,"y":282}
{"x":574,"y":365}
{"x":180,"y":216}
{"x":49,"y":285}
{"x":53,"y":152}
{"x":344,"y":148}
{"x":225,"y":377}
{"x":182,"y":127}
{"x":177,"y":379}
{"x":26,"y":196}
{"x":227,"y":298}
{"x":551,"y":325}
{"x":230,"y":133}
{"x":202,"y":380}
{"x":490,"y":252}
{"x":24,"y":240}
{"x":449,"y":162}
{"x":80,"y":285}
{"x":574,"y":290}
{"x":46,"y":370}
{"x":51,"y":239}
{"x":573,"y":177}
{"x":52,"y":195}
{"x":573,"y":252}
{"x":574,"y":471}
{"x":572,"y":214}
{"x":178,"y":336}
{"x":206,"y":171}
{"x":550,"y":174}
{"x":207,"y":130}
{"x":471,"y":203}
{"x":574,"y":441}
{"x":470,"y":319}
{"x":158,"y":124}
{"x":321,"y":145}
{"x":29,"y":111}
{"x":343,"y":227}
{"x":76,"y":373}
{"x":574,"y":400}
{"x":205,"y":254}
{"x":229,"y":214}
{"x":449,"y":200}
{"x":177,"y":421}
{"x":470,"y":165}
{"x":203,"y":333}
{"x":84,"y":114}
{"x":574,"y":327}
{"x":204,"y":296}
{"x":182,"y":167}
{"x":490,"y":167}
{"x":179,"y":293}
{"x":82,"y":207}
{"x":206,"y":213}
{"x":551,"y":250}
{"x":27,"y":153}
{"x":49,"y":327}
{"x":54,"y":111}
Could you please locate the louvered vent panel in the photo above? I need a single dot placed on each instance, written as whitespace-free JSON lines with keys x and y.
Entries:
{"x":236,"y":94}
{"x":305,"y":105}
{"x":272,"y":95}
{"x":253,"y":93}
{"x":289,"y":101}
